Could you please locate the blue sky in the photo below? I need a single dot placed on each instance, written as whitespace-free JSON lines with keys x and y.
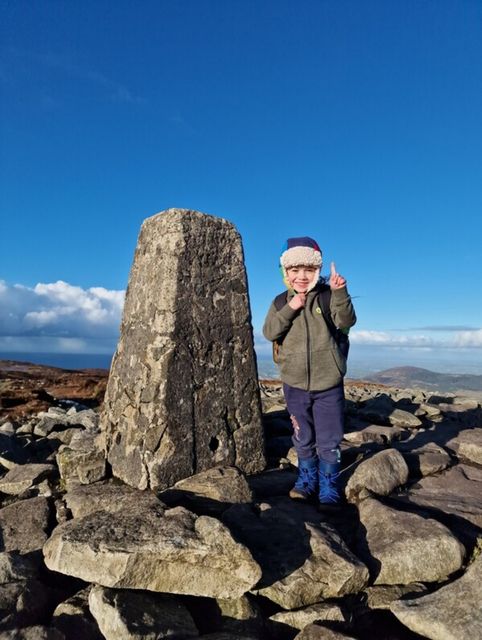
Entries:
{"x":357,"y":123}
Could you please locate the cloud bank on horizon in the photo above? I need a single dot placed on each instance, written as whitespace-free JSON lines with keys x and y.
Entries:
{"x":59,"y":317}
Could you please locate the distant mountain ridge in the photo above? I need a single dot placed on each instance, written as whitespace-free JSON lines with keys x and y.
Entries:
{"x":417,"y":377}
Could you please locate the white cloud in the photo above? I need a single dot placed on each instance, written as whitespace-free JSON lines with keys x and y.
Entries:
{"x":461,"y":339}
{"x":59,"y":310}
{"x":469,"y":339}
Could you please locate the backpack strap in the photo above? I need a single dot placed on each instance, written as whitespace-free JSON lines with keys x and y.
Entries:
{"x":280,"y":300}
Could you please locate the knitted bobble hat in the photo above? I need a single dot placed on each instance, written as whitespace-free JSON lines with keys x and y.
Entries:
{"x":299,"y":252}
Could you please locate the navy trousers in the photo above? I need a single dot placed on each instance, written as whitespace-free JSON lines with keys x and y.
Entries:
{"x":317,"y":418}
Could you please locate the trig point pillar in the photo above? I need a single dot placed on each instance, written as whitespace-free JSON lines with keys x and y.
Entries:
{"x":183,"y":393}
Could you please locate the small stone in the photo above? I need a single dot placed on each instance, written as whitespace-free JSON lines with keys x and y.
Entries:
{"x":300,"y":618}
{"x":22,"y":477}
{"x":74,"y":619}
{"x":380,"y":474}
{"x":320,"y":632}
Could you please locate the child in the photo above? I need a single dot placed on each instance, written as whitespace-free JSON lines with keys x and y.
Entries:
{"x":312,"y":366}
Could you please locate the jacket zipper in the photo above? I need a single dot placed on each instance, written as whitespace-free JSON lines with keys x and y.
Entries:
{"x":308,"y":368}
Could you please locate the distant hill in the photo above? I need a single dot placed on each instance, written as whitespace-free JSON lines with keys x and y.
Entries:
{"x":416,"y":377}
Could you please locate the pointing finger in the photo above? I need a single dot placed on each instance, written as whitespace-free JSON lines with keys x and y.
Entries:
{"x":333,"y":269}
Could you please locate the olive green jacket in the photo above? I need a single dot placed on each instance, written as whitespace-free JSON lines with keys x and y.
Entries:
{"x":309,"y":357}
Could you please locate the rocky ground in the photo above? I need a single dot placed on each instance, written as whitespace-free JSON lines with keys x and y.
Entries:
{"x":222,"y":555}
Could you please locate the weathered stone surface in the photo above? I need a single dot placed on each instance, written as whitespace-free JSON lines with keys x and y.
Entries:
{"x":403,"y":547}
{"x":14,"y":567}
{"x":319,"y":632}
{"x":451,"y":613}
{"x":381,"y":596}
{"x":304,"y":560}
{"x":83,"y":460}
{"x":107,"y":496}
{"x":375,"y":433}
{"x":457,"y":491}
{"x":401,"y":418}
{"x":241,"y":615}
{"x":131,"y":615}
{"x":74,"y":619}
{"x":301,"y":618}
{"x":425,"y":460}
{"x":22,"y":477}
{"x":183,"y":393}
{"x":170,"y":551}
{"x":24,"y":525}
{"x":210,"y":491}
{"x":22,"y":603}
{"x":468,"y":444}
{"x":380,"y":474}
{"x":37,"y":632}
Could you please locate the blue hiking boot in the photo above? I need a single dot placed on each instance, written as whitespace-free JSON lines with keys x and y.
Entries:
{"x":329,"y":491}
{"x":306,"y":486}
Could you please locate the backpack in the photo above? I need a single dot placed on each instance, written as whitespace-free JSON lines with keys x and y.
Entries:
{"x":324,"y":298}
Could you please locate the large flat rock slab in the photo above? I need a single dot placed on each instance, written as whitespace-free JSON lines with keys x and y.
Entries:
{"x":402,"y":547}
{"x":183,"y":394}
{"x":451,"y":613}
{"x":170,"y":551}
{"x":304,"y":559}
{"x":457,"y":492}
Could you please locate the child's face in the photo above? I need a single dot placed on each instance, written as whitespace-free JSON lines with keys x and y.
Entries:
{"x":300,"y":278}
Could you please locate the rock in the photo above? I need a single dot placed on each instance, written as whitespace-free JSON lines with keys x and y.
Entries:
{"x":107,"y":496}
{"x":210,"y":491}
{"x":242,"y":616}
{"x":170,"y":551}
{"x":24,"y":525}
{"x":425,"y":460}
{"x":24,"y":476}
{"x":15,"y":567}
{"x":380,"y":474}
{"x":401,"y":418}
{"x":7,"y":428}
{"x":23,"y":603}
{"x":138,"y":615}
{"x":74,"y":620}
{"x":377,"y":408}
{"x":301,"y":618}
{"x":82,"y":461}
{"x":403,"y":547}
{"x":320,"y":632}
{"x":375,"y":433}
{"x":381,"y":596}
{"x":37,"y":632}
{"x":451,"y":613}
{"x":456,"y":491}
{"x":11,"y":452}
{"x":468,"y":444}
{"x":304,"y":560}
{"x":183,"y":394}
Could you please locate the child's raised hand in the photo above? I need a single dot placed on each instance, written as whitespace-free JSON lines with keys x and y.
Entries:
{"x":336,"y":280}
{"x":298,"y":301}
